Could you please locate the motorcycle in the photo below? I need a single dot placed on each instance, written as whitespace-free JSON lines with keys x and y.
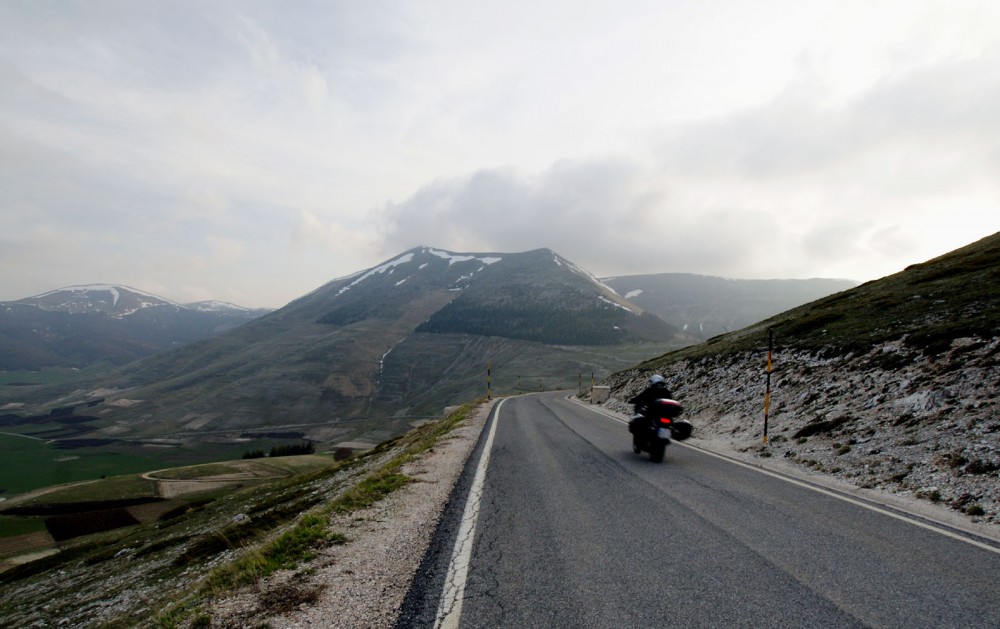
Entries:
{"x":655,"y":425}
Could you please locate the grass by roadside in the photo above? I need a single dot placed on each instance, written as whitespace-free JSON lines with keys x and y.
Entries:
{"x":167,"y":572}
{"x":289,"y":546}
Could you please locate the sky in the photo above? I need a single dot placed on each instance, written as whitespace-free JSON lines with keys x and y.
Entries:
{"x":250,"y":151}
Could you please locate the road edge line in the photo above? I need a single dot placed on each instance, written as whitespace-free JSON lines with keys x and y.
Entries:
{"x":935,"y":527}
{"x":449,"y":612}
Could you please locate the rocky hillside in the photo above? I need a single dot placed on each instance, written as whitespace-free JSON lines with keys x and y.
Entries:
{"x":891,"y":385}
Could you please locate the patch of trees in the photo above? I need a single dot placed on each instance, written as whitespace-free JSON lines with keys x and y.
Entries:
{"x":287,"y":450}
{"x":63,"y":527}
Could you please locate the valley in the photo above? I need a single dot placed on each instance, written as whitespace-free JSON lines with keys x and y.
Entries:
{"x":887,"y":388}
{"x":358,"y":361}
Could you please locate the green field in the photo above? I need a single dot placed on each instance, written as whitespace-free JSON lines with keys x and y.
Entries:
{"x":15,"y":383}
{"x":113,"y":488}
{"x":133,"y":486}
{"x":30,"y":464}
{"x":12,"y":525}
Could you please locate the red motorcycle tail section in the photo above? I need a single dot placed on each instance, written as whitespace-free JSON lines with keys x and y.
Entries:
{"x":671,"y":409}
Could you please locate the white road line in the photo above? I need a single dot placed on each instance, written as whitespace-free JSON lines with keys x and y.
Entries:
{"x":450,"y":608}
{"x":832,"y":494}
{"x":870,"y":507}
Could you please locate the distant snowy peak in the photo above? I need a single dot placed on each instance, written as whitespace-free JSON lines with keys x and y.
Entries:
{"x":111,"y":299}
{"x":216,"y":306}
{"x":405,"y":266}
{"x":452,"y":258}
{"x":113,"y":289}
{"x":119,"y":301}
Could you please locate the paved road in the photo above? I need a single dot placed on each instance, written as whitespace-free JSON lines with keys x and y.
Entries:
{"x":574,"y":530}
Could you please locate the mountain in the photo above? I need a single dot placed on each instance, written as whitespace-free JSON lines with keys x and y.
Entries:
{"x":890,"y":385}
{"x":540,"y":296}
{"x":227,"y":308}
{"x":114,"y":301}
{"x":374,"y":352}
{"x":79,"y":326}
{"x":703,"y":306}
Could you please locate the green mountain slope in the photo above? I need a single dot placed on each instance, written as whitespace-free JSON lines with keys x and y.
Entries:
{"x":539,"y":296}
{"x":368,"y":355}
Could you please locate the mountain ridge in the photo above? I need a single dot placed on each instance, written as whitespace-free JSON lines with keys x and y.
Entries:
{"x":351,"y":357}
{"x":80,"y":326}
{"x":145,"y":337}
{"x":704,"y":306}
{"x":94,"y":298}
{"x":367,"y":355}
{"x":889,"y":387}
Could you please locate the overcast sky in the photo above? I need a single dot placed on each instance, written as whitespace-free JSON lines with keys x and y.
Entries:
{"x":250,"y":151}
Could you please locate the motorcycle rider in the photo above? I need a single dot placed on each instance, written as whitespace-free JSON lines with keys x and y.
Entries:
{"x":656,"y":390}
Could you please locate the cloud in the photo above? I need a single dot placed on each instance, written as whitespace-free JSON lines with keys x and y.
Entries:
{"x":763,"y":140}
{"x":502,"y":210}
{"x":792,"y":188}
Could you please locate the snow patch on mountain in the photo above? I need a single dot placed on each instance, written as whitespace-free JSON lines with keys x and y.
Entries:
{"x":114,"y":300}
{"x":592,"y":278}
{"x":454,"y":258}
{"x":216,"y":306}
{"x":615,"y":304}
{"x":387,"y":267}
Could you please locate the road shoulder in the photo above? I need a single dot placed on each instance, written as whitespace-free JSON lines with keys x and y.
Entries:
{"x":363,"y":582}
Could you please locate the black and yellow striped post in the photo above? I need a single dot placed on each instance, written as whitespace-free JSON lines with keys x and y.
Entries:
{"x":767,"y":392}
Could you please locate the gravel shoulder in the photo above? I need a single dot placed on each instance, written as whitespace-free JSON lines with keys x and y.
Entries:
{"x":363,"y":582}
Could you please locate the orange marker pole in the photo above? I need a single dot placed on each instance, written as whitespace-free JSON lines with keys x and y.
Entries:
{"x":767,"y":394}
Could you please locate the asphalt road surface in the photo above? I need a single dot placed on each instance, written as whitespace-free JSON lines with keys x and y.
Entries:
{"x":567,"y":527}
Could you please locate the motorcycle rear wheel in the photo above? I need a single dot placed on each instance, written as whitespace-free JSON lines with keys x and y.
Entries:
{"x":656,"y":451}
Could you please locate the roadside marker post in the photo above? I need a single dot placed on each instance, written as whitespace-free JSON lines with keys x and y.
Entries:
{"x":489,"y":393}
{"x":767,"y":392}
